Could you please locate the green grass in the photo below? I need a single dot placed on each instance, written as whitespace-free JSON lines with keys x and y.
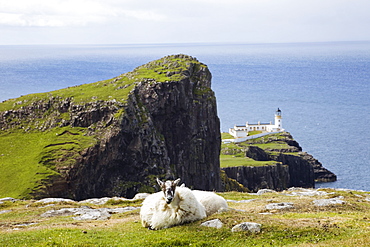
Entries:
{"x":277,"y":145}
{"x":132,"y":234}
{"x":233,"y":154}
{"x":251,"y":133}
{"x":170,"y":68}
{"x":116,"y":88}
{"x":28,"y":159}
{"x":232,"y":161}
{"x":303,"y":225}
{"x":281,"y":136}
{"x":225,"y":135}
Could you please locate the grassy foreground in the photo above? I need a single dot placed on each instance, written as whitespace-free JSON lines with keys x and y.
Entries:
{"x":304,"y":225}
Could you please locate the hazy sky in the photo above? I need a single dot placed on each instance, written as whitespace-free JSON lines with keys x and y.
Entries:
{"x":174,"y":21}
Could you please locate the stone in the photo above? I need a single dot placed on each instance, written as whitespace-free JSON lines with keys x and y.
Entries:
{"x":328,"y":202}
{"x":121,"y":210}
{"x":247,"y":227}
{"x":54,"y":200}
{"x":216,"y":223}
{"x":60,"y":212}
{"x":25,"y":224}
{"x":241,"y":201}
{"x":263,"y":191}
{"x":103,"y":200}
{"x":279,"y":206}
{"x":306,"y":192}
{"x":8,"y":199}
{"x":92,"y":214}
{"x":5,"y":211}
{"x":96,"y":201}
{"x":87,"y":213}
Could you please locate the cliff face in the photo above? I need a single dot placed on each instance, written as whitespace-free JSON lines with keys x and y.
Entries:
{"x":292,"y":168}
{"x":320,"y":172}
{"x":113,"y":138}
{"x":254,"y":178}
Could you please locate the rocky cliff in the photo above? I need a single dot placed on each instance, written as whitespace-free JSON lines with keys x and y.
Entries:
{"x":114,"y":137}
{"x":274,"y":161}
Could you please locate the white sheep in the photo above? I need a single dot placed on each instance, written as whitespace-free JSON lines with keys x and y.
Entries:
{"x":212,"y":202}
{"x":172,"y":206}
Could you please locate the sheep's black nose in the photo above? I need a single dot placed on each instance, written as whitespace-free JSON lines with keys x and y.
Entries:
{"x":168,"y":200}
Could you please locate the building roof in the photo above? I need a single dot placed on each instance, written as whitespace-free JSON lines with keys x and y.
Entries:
{"x":261,"y":124}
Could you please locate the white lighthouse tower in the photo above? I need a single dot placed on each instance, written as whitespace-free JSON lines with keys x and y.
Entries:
{"x":278,"y":121}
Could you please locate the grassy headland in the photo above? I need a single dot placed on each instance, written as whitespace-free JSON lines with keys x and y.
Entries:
{"x":38,"y":135}
{"x":233,"y":154}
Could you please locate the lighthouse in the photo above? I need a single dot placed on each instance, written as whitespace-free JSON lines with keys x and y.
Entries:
{"x":242,"y":131}
{"x":278,"y":120}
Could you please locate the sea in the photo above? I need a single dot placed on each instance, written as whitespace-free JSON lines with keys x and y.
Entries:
{"x":322,"y":89}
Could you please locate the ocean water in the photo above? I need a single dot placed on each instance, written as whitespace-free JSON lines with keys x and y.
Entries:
{"x":323,"y":89}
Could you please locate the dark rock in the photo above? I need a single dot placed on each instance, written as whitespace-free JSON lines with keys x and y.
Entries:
{"x":295,"y":169}
{"x":256,"y":153}
{"x":301,"y":172}
{"x":254,"y":178}
{"x":321,"y":173}
{"x":168,"y":130}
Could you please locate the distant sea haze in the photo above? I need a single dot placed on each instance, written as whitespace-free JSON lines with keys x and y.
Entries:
{"x":322,"y":89}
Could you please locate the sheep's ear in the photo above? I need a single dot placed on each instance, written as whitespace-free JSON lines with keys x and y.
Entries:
{"x":176,"y":182}
{"x":160,"y":182}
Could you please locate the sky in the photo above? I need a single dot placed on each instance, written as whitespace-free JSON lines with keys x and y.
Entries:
{"x":24,"y":22}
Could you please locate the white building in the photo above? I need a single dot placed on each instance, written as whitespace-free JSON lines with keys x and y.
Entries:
{"x":240,"y":131}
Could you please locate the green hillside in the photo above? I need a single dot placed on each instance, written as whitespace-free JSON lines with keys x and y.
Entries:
{"x":35,"y":141}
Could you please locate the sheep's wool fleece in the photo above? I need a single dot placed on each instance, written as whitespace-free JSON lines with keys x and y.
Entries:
{"x":211,"y":201}
{"x":157,"y":214}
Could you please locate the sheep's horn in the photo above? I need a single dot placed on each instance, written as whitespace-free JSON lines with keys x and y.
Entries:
{"x":177,"y":181}
{"x":159,"y":182}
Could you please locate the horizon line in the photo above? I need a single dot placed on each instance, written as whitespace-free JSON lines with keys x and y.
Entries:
{"x":190,"y":43}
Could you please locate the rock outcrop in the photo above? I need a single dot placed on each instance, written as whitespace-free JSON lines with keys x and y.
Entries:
{"x":253,"y":178}
{"x":159,"y":120}
{"x":293,"y":168}
{"x":320,"y":172}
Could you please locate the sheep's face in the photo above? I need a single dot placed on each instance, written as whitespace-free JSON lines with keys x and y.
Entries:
{"x":169,"y":189}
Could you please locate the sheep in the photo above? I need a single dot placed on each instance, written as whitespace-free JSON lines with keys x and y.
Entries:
{"x":212,"y":202}
{"x":170,"y":207}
